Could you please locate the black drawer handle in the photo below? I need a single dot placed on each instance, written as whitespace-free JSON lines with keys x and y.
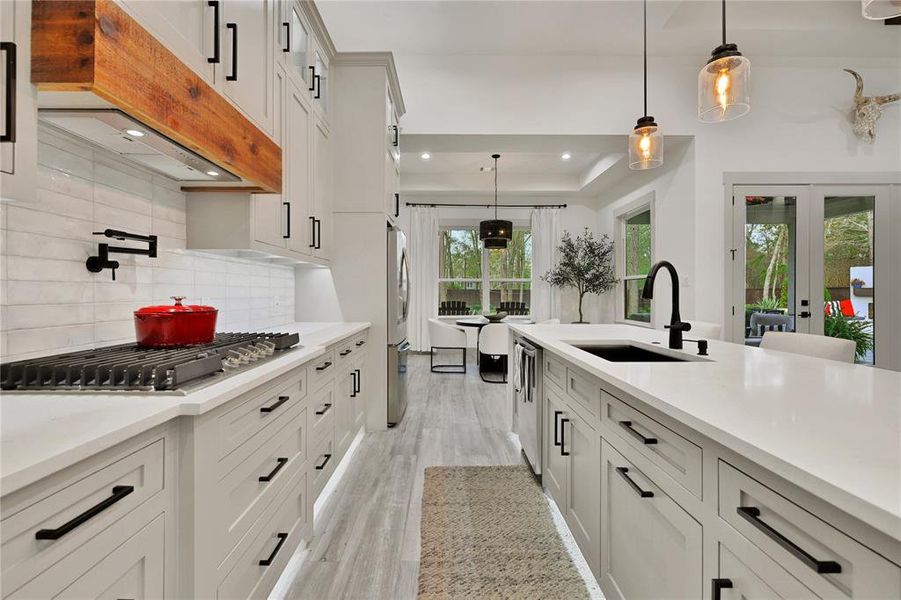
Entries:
{"x":396,"y":205}
{"x":317,"y":83}
{"x":234,"y":74}
{"x":312,"y":79}
{"x":345,"y":352}
{"x":215,"y":58}
{"x":272,"y":407}
{"x":563,"y":423}
{"x":325,"y":408}
{"x":119,"y":492}
{"x":624,"y":473}
{"x":557,"y":414}
{"x":318,"y":231}
{"x":287,"y":27}
{"x":287,"y":205}
{"x":9,"y":131}
{"x":361,"y":342}
{"x":312,"y":243}
{"x":627,"y":425}
{"x":267,"y":478}
{"x":353,"y":386}
{"x":752,"y":515}
{"x":324,"y":366}
{"x":396,"y":141}
{"x":359,"y":381}
{"x":718,"y":585}
{"x":281,"y":541}
{"x":327,"y":457}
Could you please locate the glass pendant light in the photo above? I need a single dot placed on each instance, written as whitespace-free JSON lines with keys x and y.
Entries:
{"x":495,"y":233}
{"x":879,"y":10}
{"x":724,"y":83}
{"x":645,"y":141}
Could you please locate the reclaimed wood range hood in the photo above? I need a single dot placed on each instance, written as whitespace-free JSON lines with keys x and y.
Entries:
{"x":95,"y":46}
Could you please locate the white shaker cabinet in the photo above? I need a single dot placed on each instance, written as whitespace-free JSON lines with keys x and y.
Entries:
{"x":298,"y":170}
{"x":270,"y":218}
{"x":321,"y":205}
{"x":246,"y":66}
{"x":294,"y":43}
{"x":18,"y":115}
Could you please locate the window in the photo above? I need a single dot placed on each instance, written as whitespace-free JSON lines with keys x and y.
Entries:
{"x":637,"y":253}
{"x":473,"y":280}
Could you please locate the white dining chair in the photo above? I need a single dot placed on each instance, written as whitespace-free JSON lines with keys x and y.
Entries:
{"x":819,"y":346}
{"x":493,"y":346}
{"x":443,"y":336}
{"x":550,"y":322}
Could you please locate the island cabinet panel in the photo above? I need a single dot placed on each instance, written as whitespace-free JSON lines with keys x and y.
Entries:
{"x":554,"y":464}
{"x":554,"y":371}
{"x":829,"y":562}
{"x":677,"y":456}
{"x":650,"y":547}
{"x":584,"y":389}
{"x":753,"y":576}
{"x":583,"y":514}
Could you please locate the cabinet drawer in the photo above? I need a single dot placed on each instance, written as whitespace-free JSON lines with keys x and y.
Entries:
{"x":680,"y":458}
{"x":322,"y":413}
{"x":322,"y":464}
{"x":751,"y":574}
{"x":345,"y":351}
{"x":77,"y":513}
{"x":650,"y":547}
{"x":247,"y":491}
{"x":360,"y":340}
{"x":242,"y":422}
{"x":132,"y":569}
{"x":584,"y":389}
{"x":554,"y":371}
{"x":265,"y":551}
{"x":321,"y":370}
{"x":823,"y":558}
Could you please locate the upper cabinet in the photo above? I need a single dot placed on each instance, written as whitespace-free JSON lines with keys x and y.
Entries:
{"x":247,"y":68}
{"x":294,"y":43}
{"x":320,"y":84}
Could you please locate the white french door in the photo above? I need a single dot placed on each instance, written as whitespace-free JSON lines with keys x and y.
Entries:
{"x":820,"y":259}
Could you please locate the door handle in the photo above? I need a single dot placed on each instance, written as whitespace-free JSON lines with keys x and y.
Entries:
{"x":216,"y":42}
{"x":557,"y":414}
{"x":359,"y":380}
{"x":312,"y":232}
{"x":318,"y":234}
{"x":312,"y":79}
{"x":396,"y":141}
{"x":624,"y":473}
{"x":9,"y":128}
{"x":627,"y":425}
{"x":287,"y":205}
{"x":752,"y":515}
{"x":353,"y":388}
{"x":317,"y":83}
{"x":119,"y":492}
{"x":234,"y":73}
{"x":396,"y":205}
{"x":719,"y":584}
{"x":287,"y":27}
{"x":563,"y":423}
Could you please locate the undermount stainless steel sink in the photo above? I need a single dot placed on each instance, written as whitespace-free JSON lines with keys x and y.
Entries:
{"x":628,"y":353}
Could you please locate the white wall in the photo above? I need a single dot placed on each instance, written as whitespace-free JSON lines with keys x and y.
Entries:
{"x":51,"y":303}
{"x":799,"y":122}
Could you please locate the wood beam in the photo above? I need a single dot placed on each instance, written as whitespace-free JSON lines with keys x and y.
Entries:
{"x":94,"y":45}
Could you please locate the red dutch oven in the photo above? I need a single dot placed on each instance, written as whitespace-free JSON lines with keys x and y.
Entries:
{"x":175,"y":325}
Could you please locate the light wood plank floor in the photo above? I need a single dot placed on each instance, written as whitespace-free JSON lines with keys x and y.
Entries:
{"x":366,"y":543}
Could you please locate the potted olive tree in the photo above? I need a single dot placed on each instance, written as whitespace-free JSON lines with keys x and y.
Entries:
{"x":586,"y":264}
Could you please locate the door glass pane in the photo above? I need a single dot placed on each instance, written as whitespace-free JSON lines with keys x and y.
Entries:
{"x":848,"y":275}
{"x":770,"y":265}
{"x":299,"y":45}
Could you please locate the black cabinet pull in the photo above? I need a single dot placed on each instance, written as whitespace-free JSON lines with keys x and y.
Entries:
{"x":119,"y":492}
{"x":563,"y":423}
{"x":396,"y":141}
{"x":281,"y":541}
{"x":359,"y":380}
{"x":353,"y":388}
{"x":360,"y":343}
{"x":624,"y":473}
{"x":9,"y":127}
{"x":287,"y":27}
{"x":327,"y":457}
{"x":324,"y":410}
{"x":272,"y":407}
{"x":318,"y":234}
{"x":216,"y":45}
{"x":627,"y":425}
{"x":752,"y":515}
{"x":312,"y":232}
{"x":396,"y":205}
{"x":287,"y":205}
{"x":317,"y":83}
{"x":324,"y":366}
{"x":719,"y":584}
{"x":267,"y":478}
{"x":234,"y":74}
{"x":557,"y":414}
{"x":312,"y":79}
{"x":345,"y":352}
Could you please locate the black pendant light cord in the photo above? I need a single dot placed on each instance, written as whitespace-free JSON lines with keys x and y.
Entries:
{"x":495,"y":157}
{"x":646,"y":56}
{"x":724,"y":22}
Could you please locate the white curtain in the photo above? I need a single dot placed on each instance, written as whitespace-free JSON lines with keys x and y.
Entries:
{"x":545,"y":238}
{"x":423,"y":275}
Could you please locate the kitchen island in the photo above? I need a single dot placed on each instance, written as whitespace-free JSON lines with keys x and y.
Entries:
{"x":774,"y":473}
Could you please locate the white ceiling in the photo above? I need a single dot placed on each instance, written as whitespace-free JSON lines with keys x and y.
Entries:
{"x":808,"y":28}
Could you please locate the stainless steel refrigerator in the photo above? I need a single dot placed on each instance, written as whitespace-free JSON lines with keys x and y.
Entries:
{"x":398,"y":309}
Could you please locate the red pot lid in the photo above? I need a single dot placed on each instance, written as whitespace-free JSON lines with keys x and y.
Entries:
{"x":178,"y":307}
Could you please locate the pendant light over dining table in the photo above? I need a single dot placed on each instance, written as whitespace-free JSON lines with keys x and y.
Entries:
{"x":724,"y":83}
{"x":495,"y":233}
{"x":645,"y":141}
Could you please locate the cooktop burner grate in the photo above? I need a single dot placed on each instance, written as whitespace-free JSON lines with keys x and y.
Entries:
{"x":129,"y":367}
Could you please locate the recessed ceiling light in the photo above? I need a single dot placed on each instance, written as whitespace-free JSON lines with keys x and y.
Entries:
{"x":134,"y":132}
{"x":213,"y":173}
{"x":425,"y":156}
{"x":566,"y":156}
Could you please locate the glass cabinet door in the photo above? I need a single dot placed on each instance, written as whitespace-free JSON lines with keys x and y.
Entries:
{"x":300,"y":46}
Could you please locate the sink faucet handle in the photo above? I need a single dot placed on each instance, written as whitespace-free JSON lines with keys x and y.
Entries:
{"x":679,"y":325}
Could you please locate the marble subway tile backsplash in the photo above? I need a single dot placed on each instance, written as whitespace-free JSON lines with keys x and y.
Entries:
{"x":50,"y":302}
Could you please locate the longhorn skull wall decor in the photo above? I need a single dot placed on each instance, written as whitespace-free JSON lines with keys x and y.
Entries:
{"x":868,"y":109}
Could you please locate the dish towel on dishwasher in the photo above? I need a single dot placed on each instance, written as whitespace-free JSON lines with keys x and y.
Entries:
{"x":517,"y":368}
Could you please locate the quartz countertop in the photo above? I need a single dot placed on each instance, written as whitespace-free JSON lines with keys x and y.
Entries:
{"x":833,"y":429}
{"x":41,"y":434}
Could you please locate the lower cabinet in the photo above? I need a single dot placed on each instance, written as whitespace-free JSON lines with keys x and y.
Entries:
{"x":650,"y":547}
{"x":744,"y":572}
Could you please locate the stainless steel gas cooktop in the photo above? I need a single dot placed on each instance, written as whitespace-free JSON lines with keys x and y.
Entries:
{"x":128,"y":367}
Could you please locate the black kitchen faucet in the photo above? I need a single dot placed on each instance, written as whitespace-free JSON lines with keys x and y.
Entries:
{"x":676,"y":325}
